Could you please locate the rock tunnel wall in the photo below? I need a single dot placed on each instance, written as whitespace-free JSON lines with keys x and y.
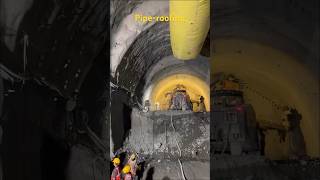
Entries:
{"x":150,"y":47}
{"x":291,"y":29}
{"x":152,"y":134}
{"x":61,"y":40}
{"x":271,"y":82}
{"x":125,"y":30}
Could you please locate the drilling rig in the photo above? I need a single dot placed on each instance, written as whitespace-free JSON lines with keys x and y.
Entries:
{"x":234,"y":125}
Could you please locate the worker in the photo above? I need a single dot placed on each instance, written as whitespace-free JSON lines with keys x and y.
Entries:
{"x":132,"y":162}
{"x":127,"y":172}
{"x":202,"y":107}
{"x":297,"y":147}
{"x":146,"y":106}
{"x":188,"y":103}
{"x":116,"y":175}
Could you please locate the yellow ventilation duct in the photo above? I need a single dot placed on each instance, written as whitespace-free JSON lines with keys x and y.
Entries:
{"x":189,"y":26}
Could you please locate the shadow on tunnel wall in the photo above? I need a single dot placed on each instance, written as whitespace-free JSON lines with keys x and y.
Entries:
{"x":120,"y":117}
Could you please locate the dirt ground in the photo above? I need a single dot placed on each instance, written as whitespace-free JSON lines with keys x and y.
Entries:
{"x":170,"y":170}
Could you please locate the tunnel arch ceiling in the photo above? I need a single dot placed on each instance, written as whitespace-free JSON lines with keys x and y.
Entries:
{"x":149,"y":48}
{"x":276,"y":75}
{"x":126,"y":30}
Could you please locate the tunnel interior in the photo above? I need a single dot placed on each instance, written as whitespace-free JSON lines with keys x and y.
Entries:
{"x":54,"y":94}
{"x":55,"y":85}
{"x":36,"y":142}
{"x":147,"y":67}
{"x":270,"y":49}
{"x":271,"y":89}
{"x":144,"y":76}
{"x":265,"y":53}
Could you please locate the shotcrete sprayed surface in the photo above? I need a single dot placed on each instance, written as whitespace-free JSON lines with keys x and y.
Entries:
{"x":129,"y":29}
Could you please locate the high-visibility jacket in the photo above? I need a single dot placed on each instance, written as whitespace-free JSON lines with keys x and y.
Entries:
{"x":116,"y":173}
{"x":128,"y":177}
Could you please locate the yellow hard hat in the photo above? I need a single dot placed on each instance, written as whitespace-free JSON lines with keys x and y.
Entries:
{"x":116,"y":161}
{"x":126,"y":169}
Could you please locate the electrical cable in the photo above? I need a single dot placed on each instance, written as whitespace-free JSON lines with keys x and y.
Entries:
{"x":180,"y":153}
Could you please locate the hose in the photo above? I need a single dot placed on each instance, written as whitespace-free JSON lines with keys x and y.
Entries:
{"x":180,"y":153}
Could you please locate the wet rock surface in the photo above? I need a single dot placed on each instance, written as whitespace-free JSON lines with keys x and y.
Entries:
{"x":170,"y":170}
{"x":155,"y":135}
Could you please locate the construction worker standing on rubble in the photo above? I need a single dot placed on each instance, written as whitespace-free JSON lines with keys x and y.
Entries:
{"x":202,"y":107}
{"x":116,"y":171}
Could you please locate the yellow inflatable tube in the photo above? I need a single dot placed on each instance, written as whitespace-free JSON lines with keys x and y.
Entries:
{"x":189,"y":26}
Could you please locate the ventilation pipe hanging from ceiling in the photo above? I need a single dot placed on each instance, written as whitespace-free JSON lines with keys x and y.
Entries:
{"x":189,"y":26}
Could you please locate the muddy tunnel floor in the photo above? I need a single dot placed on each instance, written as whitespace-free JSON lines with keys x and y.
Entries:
{"x":255,"y":167}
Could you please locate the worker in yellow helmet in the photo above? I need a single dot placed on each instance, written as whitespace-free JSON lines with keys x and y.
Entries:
{"x":132,"y":162}
{"x":116,"y":175}
{"x":127,"y":172}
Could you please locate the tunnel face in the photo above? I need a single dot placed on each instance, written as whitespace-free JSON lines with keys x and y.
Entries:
{"x":272,"y":79}
{"x":195,"y":88}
